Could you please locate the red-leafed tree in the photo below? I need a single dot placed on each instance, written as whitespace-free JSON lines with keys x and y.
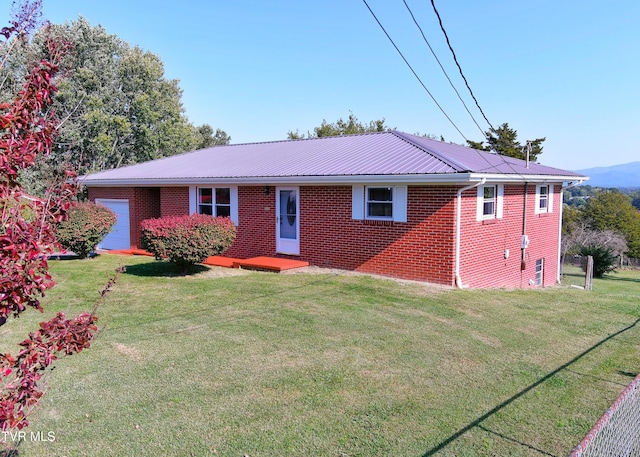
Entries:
{"x":27,"y":228}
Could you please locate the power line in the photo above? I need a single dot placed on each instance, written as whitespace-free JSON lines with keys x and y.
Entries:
{"x":505,"y":161}
{"x":441,"y":67}
{"x":456,"y":61}
{"x":423,"y":85}
{"x":413,"y":71}
{"x":491,"y":166}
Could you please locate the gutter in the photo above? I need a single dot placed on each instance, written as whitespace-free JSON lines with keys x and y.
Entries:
{"x":458,"y":279}
{"x":416,"y":179}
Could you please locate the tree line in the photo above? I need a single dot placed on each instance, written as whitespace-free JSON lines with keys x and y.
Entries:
{"x":606,"y":225}
{"x":114,"y":103}
{"x":579,"y":195}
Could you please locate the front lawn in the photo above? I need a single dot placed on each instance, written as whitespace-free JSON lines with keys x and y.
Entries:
{"x":264,"y":364}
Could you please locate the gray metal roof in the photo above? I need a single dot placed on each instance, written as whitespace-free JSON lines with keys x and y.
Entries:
{"x":382,"y":155}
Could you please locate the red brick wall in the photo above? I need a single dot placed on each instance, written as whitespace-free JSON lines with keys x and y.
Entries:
{"x":144,"y":203}
{"x":256,"y":231}
{"x":419,"y":249}
{"x":174,"y":201}
{"x":423,"y":248}
{"x":483,"y":244}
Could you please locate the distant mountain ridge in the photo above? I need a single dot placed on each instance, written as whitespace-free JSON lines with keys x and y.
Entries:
{"x":624,"y":175}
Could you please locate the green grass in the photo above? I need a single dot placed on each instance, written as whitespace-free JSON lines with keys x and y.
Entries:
{"x":293,"y":364}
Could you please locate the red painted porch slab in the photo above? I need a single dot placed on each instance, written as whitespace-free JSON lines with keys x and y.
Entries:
{"x":219,"y":261}
{"x":141,"y":252}
{"x":269,"y":263}
{"x":258,"y":263}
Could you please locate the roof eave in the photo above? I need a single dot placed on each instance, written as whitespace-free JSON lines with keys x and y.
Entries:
{"x":262,"y":180}
{"x":436,"y":178}
{"x":504,"y":178}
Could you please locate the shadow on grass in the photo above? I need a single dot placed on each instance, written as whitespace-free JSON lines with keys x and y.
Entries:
{"x":162,"y":269}
{"x":574,"y":275}
{"x":507,"y":402}
{"x":613,"y":278}
{"x":627,"y":373}
{"x":508,"y":438}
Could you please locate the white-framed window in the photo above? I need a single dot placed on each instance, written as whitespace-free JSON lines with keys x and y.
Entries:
{"x":214,"y":201}
{"x":539,"y":272}
{"x":490,"y":202}
{"x":379,"y":202}
{"x":544,"y":198}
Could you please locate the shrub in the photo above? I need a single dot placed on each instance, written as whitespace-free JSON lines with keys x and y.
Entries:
{"x":87,"y":225}
{"x":604,"y":259}
{"x":187,"y":240}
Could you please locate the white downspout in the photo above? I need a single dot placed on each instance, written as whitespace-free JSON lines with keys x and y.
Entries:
{"x":458,"y":218}
{"x":559,"y":269}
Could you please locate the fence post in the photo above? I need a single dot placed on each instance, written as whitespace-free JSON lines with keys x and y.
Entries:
{"x":589,"y":274}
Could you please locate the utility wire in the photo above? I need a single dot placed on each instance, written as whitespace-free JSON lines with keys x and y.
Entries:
{"x":505,"y":161}
{"x":456,"y":61}
{"x":491,"y":166}
{"x":413,"y":71}
{"x":441,"y":67}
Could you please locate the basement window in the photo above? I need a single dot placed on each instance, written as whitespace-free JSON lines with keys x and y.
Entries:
{"x":539,"y":272}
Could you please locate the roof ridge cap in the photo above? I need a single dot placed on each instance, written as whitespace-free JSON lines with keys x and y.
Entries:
{"x":287,"y":140}
{"x":452,"y":163}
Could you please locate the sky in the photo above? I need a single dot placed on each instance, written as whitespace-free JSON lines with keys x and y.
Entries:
{"x":565,"y":70}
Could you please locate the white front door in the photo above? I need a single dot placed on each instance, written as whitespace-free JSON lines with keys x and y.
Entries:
{"x":287,"y":220}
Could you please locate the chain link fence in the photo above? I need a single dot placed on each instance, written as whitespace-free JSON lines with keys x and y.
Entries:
{"x":617,"y":433}
{"x":624,"y":262}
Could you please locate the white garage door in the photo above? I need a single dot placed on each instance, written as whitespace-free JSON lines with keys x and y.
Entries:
{"x":119,"y":237}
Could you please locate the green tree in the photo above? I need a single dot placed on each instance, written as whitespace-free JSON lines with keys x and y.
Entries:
{"x":604,"y":259}
{"x":635,"y":199}
{"x":207,"y":138}
{"x":570,"y":223}
{"x":116,"y":104}
{"x":341,"y":127}
{"x":504,"y":141}
{"x":612,"y":210}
